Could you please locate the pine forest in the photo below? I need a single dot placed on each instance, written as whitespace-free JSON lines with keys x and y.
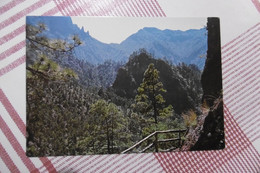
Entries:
{"x":144,"y":103}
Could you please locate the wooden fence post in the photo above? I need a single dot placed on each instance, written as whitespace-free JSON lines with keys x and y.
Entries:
{"x":156,"y":142}
{"x":179,"y":139}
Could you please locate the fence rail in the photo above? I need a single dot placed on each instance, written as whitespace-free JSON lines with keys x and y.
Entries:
{"x":156,"y":142}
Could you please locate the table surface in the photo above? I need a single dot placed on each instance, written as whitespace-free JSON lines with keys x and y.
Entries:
{"x":240,"y":34}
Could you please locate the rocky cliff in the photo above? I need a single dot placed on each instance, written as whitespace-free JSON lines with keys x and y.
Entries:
{"x":211,"y":136}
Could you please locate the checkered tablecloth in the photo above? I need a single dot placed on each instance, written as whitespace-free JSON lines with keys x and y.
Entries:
{"x":241,"y":86}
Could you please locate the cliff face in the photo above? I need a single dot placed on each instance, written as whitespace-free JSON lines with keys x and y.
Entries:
{"x":211,"y":78}
{"x":209,"y":132}
{"x":212,"y":134}
{"x":180,"y":94}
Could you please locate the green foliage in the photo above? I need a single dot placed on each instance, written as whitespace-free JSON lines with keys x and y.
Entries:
{"x":181,"y":81}
{"x":107,"y":129}
{"x":191,"y":75}
{"x":56,"y":117}
{"x":47,"y":69}
{"x":42,"y":54}
{"x":72,"y":108}
{"x":149,"y":97}
{"x":55,"y":104}
{"x":36,"y":40}
{"x":150,"y":103}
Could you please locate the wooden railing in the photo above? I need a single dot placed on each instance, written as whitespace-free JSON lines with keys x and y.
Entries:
{"x":156,"y":142}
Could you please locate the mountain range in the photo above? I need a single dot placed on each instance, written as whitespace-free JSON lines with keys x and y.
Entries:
{"x":175,"y":45}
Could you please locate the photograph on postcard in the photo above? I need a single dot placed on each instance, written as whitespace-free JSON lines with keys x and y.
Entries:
{"x":107,"y":85}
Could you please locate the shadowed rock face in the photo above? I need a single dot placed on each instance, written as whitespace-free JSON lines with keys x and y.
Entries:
{"x":182,"y":82}
{"x":212,"y":134}
{"x":211,"y":78}
{"x":130,"y":77}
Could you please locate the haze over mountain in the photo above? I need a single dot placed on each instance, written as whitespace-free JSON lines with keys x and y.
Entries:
{"x":174,"y":45}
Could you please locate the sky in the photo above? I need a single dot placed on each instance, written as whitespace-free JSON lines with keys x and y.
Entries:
{"x":117,"y":29}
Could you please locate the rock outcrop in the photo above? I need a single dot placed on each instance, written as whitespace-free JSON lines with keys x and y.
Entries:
{"x":183,"y":92}
{"x":212,"y":134}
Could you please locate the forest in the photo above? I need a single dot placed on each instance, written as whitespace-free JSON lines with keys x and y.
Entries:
{"x":76,"y":108}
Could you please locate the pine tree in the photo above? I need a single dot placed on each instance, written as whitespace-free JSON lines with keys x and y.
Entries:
{"x":50,"y":118}
{"x":107,"y":127}
{"x":149,"y":99}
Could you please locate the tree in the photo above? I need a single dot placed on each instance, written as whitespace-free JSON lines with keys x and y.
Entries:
{"x":107,"y":128}
{"x":50,"y":117}
{"x":149,"y":96}
{"x":36,"y":40}
{"x":41,"y":51}
{"x":151,"y":105}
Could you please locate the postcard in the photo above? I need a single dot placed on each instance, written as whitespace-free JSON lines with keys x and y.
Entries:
{"x":120,"y":85}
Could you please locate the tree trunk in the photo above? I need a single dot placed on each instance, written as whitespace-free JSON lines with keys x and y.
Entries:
{"x":112,"y":136}
{"x":108,"y":140}
{"x":154,"y":106}
{"x":155,"y":113}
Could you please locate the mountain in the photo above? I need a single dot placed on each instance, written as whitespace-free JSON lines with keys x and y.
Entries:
{"x":57,"y":26}
{"x":212,"y":136}
{"x":181,"y":82}
{"x":175,"y":45}
{"x":92,"y":50}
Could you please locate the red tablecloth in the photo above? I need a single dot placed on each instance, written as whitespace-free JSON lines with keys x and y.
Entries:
{"x":241,"y":85}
